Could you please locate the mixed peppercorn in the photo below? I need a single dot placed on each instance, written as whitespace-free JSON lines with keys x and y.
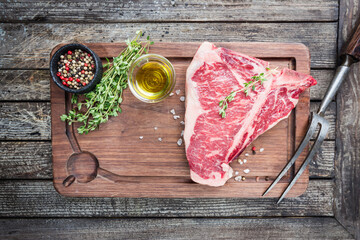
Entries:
{"x":76,"y":69}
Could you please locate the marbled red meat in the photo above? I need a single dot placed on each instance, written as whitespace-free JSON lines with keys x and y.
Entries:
{"x":212,"y":142}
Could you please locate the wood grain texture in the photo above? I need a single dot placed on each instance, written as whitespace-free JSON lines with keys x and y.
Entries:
{"x":165,"y":172}
{"x":322,"y":164}
{"x":33,"y":85}
{"x":347,"y":201}
{"x":353,"y":47}
{"x":32,"y":160}
{"x":347,"y":159}
{"x":25,"y":160}
{"x":347,"y":164}
{"x":39,"y":199}
{"x":165,"y":11}
{"x":183,"y":228}
{"x":323,"y":78}
{"x":21,"y":46}
{"x":25,"y":120}
{"x":24,"y":85}
{"x":31,"y":120}
{"x":349,"y":11}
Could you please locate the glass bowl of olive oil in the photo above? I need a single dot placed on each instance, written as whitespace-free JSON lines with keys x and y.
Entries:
{"x":151,"y":78}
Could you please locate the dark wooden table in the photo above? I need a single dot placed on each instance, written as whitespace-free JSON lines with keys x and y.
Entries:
{"x":30,"y":208}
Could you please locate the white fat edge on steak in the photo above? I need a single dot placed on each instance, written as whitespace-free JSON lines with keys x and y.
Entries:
{"x":194,"y":110}
{"x":218,"y":180}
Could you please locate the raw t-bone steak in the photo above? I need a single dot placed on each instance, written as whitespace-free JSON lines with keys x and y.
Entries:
{"x":212,"y":142}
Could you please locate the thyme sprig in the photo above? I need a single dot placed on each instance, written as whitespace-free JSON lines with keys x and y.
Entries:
{"x":248,"y":86}
{"x":105,"y":100}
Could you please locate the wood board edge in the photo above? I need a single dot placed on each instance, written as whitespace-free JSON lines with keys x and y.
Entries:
{"x":301,"y":60}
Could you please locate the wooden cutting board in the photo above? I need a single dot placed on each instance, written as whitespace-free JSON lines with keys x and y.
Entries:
{"x":116,"y":163}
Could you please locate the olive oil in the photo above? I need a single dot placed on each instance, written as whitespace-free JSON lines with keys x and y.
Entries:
{"x":152,"y":80}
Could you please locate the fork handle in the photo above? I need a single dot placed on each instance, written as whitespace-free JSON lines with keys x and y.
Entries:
{"x":350,"y":55}
{"x":353,"y":46}
{"x":340,"y":75}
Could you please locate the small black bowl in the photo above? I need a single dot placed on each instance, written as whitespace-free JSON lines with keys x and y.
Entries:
{"x":54,"y":68}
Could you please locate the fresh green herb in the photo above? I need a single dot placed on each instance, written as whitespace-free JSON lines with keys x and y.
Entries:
{"x":248,"y":86}
{"x":105,"y":100}
{"x":223,"y":104}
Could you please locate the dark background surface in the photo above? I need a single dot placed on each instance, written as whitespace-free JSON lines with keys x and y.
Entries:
{"x":30,"y":208}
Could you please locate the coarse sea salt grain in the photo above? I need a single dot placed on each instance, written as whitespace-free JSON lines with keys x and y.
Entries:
{"x":177,"y":92}
{"x":182,"y":98}
{"x":182,"y":133}
{"x":236,"y":173}
{"x":171,"y":94}
{"x":141,"y":137}
{"x":172,"y":111}
{"x":160,"y":139}
{"x":238,"y":178}
{"x":246,"y":170}
{"x":155,"y":128}
{"x":244,"y":160}
{"x":239,"y":161}
{"x":246,"y":154}
{"x":261,"y":150}
{"x":176,"y":117}
{"x":179,"y":142}
{"x":182,"y":123}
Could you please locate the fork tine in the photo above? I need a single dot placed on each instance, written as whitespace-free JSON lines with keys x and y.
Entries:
{"x":319,"y":139}
{"x":301,"y":147}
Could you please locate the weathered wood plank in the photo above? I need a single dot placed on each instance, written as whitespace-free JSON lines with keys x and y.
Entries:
{"x":163,"y":10}
{"x":22,"y":46}
{"x":323,"y":78}
{"x":39,"y":199}
{"x":347,"y":160}
{"x":24,"y":85}
{"x":330,"y":115}
{"x":31,"y":120}
{"x":32,"y":160}
{"x":322,"y":164}
{"x":180,"y":228}
{"x":25,"y":160}
{"x":26,"y":120}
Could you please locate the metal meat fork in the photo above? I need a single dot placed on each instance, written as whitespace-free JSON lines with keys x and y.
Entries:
{"x":350,"y":56}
